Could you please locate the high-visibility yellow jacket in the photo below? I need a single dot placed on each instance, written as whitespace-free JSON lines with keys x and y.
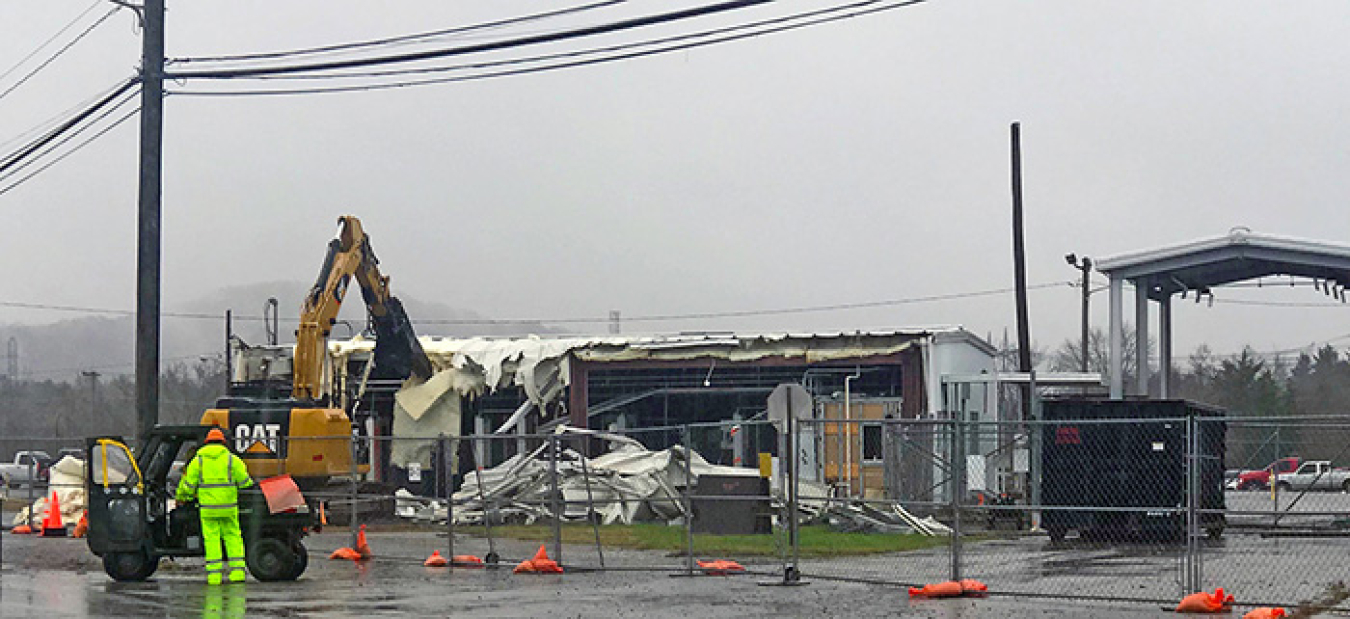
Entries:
{"x":213,"y":478}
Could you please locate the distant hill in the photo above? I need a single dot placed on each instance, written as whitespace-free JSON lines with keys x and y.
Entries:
{"x":61,"y":350}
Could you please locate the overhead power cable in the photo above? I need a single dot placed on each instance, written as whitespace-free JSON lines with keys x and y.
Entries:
{"x":564,"y":65}
{"x":6,"y":189}
{"x":407,"y":38}
{"x":58,"y":53}
{"x":806,"y":15}
{"x":627,"y":24}
{"x":47,"y":124}
{"x":22,"y":154}
{"x":74,"y":132}
{"x":49,"y":40}
{"x":598,"y":320}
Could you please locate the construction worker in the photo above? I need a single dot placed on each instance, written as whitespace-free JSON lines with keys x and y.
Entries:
{"x":213,"y":478}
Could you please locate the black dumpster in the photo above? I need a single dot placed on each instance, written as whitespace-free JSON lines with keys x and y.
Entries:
{"x":1124,"y":462}
{"x":731,"y":505}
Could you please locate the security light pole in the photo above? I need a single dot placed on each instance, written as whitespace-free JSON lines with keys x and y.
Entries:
{"x":1084,"y":265}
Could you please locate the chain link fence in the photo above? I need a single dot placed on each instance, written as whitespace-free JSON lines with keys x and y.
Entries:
{"x":1143,"y":504}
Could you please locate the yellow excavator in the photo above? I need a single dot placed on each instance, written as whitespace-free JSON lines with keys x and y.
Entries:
{"x":308,"y":435}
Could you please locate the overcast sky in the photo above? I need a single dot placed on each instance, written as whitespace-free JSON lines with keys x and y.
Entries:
{"x":859,"y":161}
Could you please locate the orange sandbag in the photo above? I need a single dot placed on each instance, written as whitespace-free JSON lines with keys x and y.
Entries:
{"x":345,"y":553}
{"x":970,"y":586}
{"x":1265,"y":612}
{"x":466,"y":561}
{"x":22,"y":529}
{"x":947,"y":589}
{"x":282,"y":494}
{"x":720,"y":567}
{"x":1203,"y":602}
{"x":436,"y":560}
{"x":540,"y":564}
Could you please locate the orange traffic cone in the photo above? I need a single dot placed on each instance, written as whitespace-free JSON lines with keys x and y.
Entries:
{"x":436,"y":560}
{"x":22,"y":529}
{"x":361,"y":546}
{"x":323,"y":517}
{"x":51,"y":525}
{"x":82,"y":527}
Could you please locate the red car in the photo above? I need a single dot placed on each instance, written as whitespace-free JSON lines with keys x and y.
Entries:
{"x":1260,"y":479}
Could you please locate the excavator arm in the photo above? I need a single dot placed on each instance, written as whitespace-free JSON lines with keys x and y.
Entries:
{"x":398,"y":354}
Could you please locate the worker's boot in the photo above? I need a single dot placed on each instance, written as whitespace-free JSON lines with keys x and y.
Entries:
{"x":236,"y":575}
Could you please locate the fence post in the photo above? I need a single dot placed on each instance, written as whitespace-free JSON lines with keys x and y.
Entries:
{"x":491,"y":558}
{"x":688,"y":503}
{"x":1193,"y":567}
{"x":958,"y":489}
{"x":444,"y":477}
{"x":353,"y":493}
{"x":591,"y":514}
{"x":554,"y":496}
{"x":32,"y":485}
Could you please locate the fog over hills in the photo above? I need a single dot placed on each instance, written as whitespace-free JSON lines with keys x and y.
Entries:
{"x":61,"y":350}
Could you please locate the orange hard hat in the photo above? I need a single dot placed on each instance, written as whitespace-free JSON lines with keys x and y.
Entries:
{"x":215,"y":436}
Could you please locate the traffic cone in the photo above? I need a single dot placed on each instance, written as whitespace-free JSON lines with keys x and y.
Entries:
{"x":323,"y":517}
{"x":346,"y":554}
{"x":82,"y":527}
{"x":22,"y":529}
{"x":51,"y":525}
{"x":361,"y":546}
{"x":436,"y":560}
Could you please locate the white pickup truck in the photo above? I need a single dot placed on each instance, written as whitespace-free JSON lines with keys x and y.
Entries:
{"x":1315,"y":475}
{"x":26,"y":465}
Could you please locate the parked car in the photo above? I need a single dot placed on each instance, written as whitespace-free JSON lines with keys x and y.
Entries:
{"x":1260,"y":479}
{"x":1315,"y":475}
{"x":26,"y":463}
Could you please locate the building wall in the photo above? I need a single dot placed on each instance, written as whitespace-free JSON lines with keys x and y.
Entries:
{"x":848,"y":465}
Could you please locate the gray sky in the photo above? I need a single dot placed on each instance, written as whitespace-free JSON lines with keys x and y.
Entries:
{"x":859,"y":161}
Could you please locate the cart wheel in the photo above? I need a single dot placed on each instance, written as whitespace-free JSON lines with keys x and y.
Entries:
{"x":130,"y":566}
{"x":271,"y":559}
{"x":301,"y":561}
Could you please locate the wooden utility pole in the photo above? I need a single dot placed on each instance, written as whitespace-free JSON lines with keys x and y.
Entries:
{"x":148,"y":218}
{"x":1020,"y":269}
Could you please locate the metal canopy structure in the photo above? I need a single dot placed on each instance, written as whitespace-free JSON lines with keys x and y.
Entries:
{"x":1159,"y":274}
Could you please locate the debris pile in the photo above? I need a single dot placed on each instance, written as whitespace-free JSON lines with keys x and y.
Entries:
{"x":67,"y":482}
{"x":628,"y":484}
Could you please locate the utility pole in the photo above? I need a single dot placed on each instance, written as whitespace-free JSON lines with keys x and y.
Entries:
{"x":1085,"y":265}
{"x":148,"y":219}
{"x":1020,"y":270}
{"x":93,"y":394}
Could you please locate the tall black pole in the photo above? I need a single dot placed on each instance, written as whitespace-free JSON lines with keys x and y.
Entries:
{"x":148,"y":217}
{"x":1087,"y":273}
{"x":1020,"y":268}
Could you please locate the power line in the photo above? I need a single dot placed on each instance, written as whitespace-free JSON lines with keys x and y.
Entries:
{"x":807,"y":15}
{"x":70,"y":152}
{"x":400,"y":39}
{"x":627,"y":24}
{"x":58,"y":53}
{"x":557,"y":66}
{"x":70,"y":135}
{"x":650,"y":318}
{"x":49,"y":40}
{"x":23,"y":153}
{"x":47,"y":124}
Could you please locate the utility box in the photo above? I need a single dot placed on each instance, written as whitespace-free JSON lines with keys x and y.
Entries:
{"x":731,"y":505}
{"x":1125,"y":463}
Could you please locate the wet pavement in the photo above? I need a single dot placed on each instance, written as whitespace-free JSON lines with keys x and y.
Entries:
{"x":59,"y":578}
